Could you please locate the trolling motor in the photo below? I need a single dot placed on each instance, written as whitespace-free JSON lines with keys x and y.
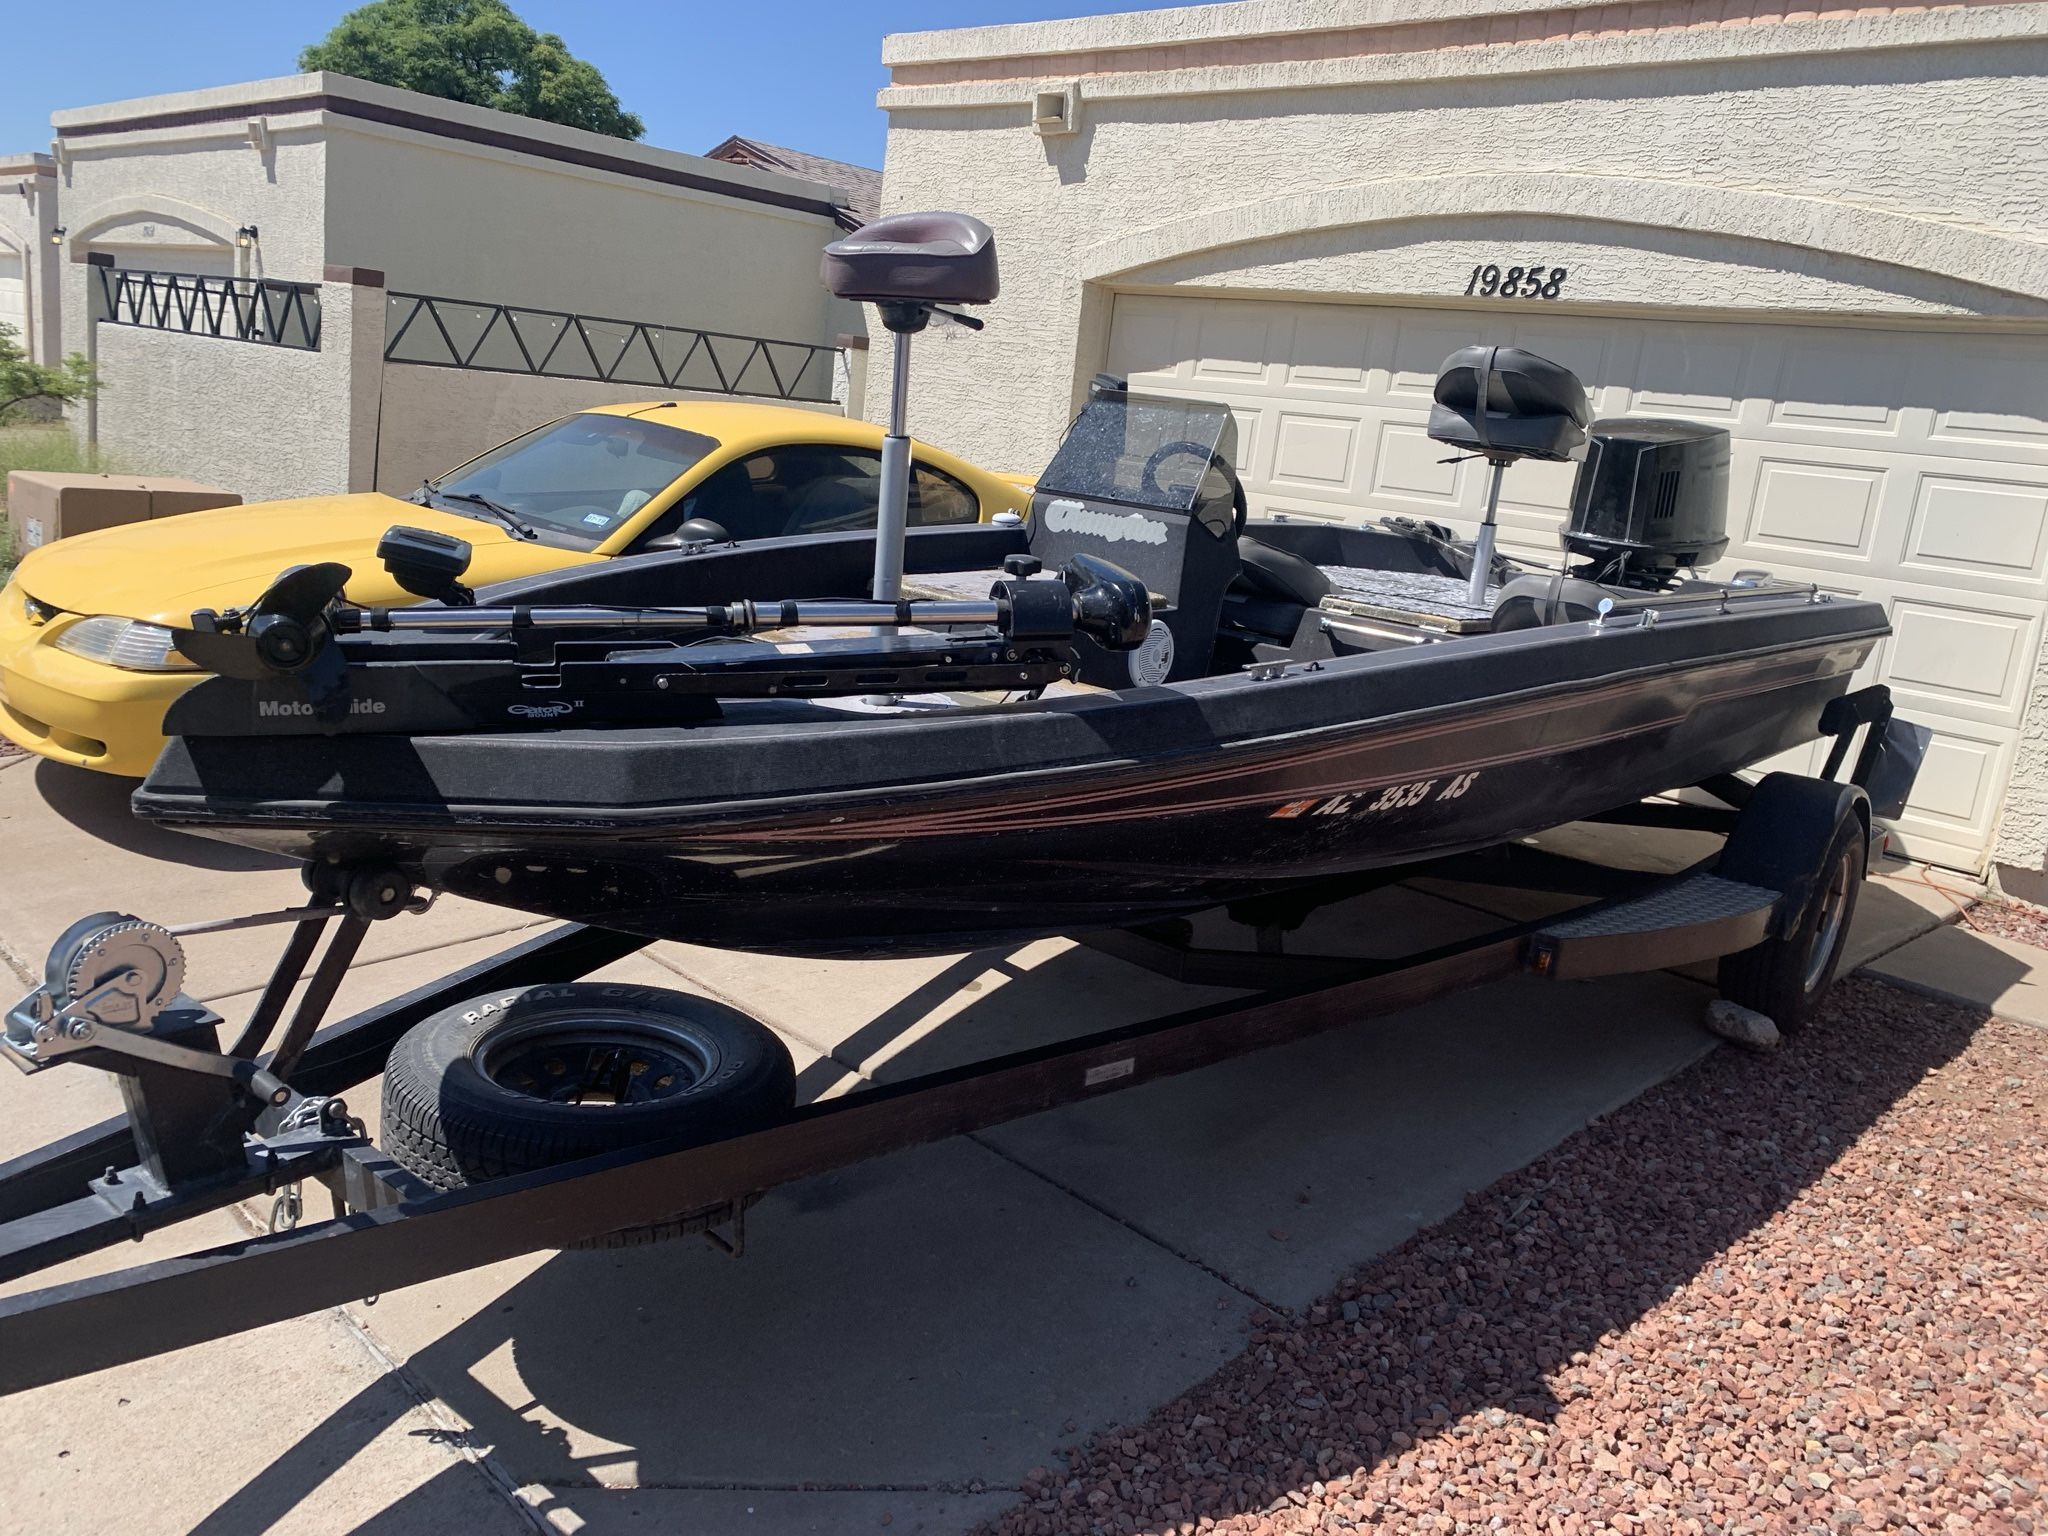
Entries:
{"x":283,"y":666}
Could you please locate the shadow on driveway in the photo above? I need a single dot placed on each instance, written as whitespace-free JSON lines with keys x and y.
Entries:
{"x":97,"y":805}
{"x":649,"y":1354}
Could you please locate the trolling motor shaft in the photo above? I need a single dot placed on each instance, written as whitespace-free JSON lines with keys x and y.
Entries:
{"x":290,"y":629}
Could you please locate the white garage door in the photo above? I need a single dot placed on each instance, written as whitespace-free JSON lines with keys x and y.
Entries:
{"x":13,"y":295}
{"x":1910,"y":467}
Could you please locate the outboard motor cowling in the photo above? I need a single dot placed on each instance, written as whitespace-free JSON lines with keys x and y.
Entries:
{"x":1651,"y":498}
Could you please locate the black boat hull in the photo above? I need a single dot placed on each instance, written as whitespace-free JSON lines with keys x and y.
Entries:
{"x":852,"y":835}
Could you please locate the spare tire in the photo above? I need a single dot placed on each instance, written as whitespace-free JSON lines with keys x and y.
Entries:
{"x":525,"y":1079}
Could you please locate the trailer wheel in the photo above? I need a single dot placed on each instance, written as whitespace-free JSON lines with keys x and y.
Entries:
{"x":1787,"y":975}
{"x":521,"y":1080}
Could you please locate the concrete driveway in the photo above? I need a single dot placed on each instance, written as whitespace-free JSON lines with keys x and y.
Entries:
{"x":904,"y":1341}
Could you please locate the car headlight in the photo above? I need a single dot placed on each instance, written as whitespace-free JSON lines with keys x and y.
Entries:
{"x":130,"y":644}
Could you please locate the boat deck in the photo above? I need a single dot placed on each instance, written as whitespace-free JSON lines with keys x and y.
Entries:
{"x":1421,"y":599}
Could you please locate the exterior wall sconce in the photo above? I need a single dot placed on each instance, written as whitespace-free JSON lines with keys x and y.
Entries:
{"x":57,"y":235}
{"x":246,"y":236}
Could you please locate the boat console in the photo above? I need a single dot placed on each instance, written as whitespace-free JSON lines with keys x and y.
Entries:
{"x":1144,"y":482}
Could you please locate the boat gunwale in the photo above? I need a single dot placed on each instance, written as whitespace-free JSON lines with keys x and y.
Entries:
{"x":728,"y":815}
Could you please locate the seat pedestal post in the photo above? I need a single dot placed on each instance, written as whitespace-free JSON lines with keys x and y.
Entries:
{"x":1482,"y":545}
{"x":893,"y":515}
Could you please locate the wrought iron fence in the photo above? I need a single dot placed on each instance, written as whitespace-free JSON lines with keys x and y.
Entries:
{"x":259,"y":309}
{"x":506,"y":338}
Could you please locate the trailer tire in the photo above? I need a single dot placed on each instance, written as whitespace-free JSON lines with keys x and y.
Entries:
{"x":504,"y":1084}
{"x":1787,"y":976}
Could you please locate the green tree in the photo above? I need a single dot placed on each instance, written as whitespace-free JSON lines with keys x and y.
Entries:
{"x":22,"y":380}
{"x":476,"y":51}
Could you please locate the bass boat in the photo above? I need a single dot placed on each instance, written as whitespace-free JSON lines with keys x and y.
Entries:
{"x":1135,"y":703}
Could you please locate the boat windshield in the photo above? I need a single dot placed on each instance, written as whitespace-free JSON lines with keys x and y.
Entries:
{"x":1146,"y":451}
{"x":575,"y":481}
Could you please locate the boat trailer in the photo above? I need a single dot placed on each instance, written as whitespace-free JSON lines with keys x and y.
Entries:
{"x":206,"y":1127}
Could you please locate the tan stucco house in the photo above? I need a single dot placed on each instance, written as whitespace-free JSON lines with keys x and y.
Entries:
{"x":1823,"y":225}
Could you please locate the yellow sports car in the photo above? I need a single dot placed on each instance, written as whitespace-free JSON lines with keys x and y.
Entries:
{"x":86,"y":664}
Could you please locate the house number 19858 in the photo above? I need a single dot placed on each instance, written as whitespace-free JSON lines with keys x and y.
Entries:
{"x":1489,"y":280}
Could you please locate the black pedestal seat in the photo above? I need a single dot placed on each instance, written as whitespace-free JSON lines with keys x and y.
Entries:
{"x":1509,"y":404}
{"x":915,"y":258}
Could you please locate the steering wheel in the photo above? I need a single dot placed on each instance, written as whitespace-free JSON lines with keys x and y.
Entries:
{"x":1148,"y":477}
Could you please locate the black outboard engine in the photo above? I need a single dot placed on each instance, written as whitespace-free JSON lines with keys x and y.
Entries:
{"x":1147,"y":483}
{"x":1650,"y":500}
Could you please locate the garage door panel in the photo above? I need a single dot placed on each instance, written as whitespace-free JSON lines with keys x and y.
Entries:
{"x":1408,"y":471}
{"x":1419,"y":344}
{"x":1973,"y":528}
{"x":1957,"y":793}
{"x":1840,"y":384}
{"x":1333,"y":350}
{"x":1235,"y":343}
{"x":1145,"y":340}
{"x":1992,"y":401}
{"x":1252,"y":441}
{"x":1959,"y":657}
{"x":13,"y":294}
{"x":1812,"y":509}
{"x":1582,"y":349}
{"x":1696,"y":372}
{"x":1318,"y":452}
{"x":1964,"y":661}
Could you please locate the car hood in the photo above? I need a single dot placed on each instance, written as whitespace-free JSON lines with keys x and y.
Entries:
{"x":165,"y":568}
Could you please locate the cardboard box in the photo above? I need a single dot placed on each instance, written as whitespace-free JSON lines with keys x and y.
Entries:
{"x":43,"y":506}
{"x":168,"y":496}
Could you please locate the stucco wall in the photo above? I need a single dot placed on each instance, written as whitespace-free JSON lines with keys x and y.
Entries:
{"x":436,"y":418}
{"x":266,"y":421}
{"x":471,"y":222}
{"x":2021,"y":852}
{"x":28,"y":214}
{"x":1865,"y":179}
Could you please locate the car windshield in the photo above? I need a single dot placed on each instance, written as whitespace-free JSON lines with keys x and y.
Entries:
{"x":576,"y":480}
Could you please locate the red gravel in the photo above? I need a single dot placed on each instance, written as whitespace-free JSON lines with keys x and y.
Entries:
{"x":1802,"y":1292}
{"x":2010,"y":920}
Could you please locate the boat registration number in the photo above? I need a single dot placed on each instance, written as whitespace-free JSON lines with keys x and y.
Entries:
{"x":1366,"y":802}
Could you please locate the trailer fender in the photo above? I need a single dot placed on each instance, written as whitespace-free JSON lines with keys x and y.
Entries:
{"x":1783,"y":833}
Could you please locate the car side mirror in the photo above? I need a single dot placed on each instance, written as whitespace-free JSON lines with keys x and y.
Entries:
{"x":698,"y":530}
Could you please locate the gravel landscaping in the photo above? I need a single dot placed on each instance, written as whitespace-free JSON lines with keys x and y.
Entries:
{"x":1795,"y":1292}
{"x":2016,"y":920}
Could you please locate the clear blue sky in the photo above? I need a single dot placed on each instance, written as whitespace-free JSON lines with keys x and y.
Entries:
{"x":797,"y":72}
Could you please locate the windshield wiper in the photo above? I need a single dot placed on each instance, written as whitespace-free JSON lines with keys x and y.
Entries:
{"x":501,"y":512}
